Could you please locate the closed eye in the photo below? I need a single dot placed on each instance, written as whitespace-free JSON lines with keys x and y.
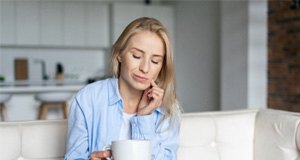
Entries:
{"x":136,"y":57}
{"x":155,"y":62}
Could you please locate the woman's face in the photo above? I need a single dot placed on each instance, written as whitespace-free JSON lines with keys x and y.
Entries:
{"x":141,"y":60}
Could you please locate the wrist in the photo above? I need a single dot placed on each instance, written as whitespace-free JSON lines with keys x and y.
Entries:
{"x":142,"y":113}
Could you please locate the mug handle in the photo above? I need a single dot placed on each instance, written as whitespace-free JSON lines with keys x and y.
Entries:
{"x":105,"y":148}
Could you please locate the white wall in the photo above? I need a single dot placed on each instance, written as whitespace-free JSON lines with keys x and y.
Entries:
{"x":234,"y":27}
{"x":221,"y":50}
{"x":197,"y":54}
{"x":214,"y":69}
{"x":243,"y":54}
{"x":257,"y":55}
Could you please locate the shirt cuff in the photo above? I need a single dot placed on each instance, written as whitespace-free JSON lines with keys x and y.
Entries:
{"x":143,"y":127}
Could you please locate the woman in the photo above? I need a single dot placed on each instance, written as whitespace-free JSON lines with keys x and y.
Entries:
{"x":139,"y":102}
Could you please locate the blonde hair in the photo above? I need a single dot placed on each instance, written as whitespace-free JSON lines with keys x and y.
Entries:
{"x":166,"y":77}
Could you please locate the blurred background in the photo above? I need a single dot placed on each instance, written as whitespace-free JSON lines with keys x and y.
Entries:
{"x":228,"y":54}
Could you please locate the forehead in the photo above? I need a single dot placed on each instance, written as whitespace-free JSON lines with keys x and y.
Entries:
{"x":148,"y":42}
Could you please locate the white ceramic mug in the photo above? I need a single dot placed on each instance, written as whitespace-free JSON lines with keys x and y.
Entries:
{"x":130,"y":150}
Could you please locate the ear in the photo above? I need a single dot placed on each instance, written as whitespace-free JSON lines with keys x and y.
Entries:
{"x":119,"y":57}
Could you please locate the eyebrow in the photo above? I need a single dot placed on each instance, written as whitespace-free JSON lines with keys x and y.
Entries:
{"x":138,"y":50}
{"x":154,"y":55}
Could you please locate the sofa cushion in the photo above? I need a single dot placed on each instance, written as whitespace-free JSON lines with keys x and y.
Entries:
{"x":10,"y":140}
{"x":36,"y":138}
{"x":217,"y":135}
{"x":33,"y":140}
{"x":276,"y":132}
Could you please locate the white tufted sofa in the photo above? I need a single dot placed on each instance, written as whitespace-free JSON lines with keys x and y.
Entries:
{"x":33,"y":140}
{"x":231,"y":135}
{"x":240,"y":135}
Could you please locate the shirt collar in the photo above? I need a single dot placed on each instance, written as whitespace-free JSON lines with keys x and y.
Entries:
{"x":114,"y":94}
{"x":160,"y":110}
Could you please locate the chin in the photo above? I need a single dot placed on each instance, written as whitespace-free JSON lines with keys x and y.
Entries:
{"x":141,"y":86}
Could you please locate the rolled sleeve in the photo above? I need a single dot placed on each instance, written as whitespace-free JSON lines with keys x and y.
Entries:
{"x":143,"y":127}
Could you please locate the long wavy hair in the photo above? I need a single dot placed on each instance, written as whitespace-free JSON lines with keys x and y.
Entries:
{"x":166,"y":77}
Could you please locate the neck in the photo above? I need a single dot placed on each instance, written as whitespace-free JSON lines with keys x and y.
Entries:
{"x":131,"y":97}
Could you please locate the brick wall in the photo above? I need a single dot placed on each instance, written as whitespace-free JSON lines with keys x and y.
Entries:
{"x":283,"y":55}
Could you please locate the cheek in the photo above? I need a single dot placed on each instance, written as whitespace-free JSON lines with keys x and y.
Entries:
{"x":128,"y":64}
{"x":133,"y":65}
{"x":156,"y":72}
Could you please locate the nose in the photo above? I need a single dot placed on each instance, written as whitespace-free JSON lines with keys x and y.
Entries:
{"x":144,"y":66}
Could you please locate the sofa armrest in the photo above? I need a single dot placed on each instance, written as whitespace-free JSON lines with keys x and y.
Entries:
{"x":277,"y":135}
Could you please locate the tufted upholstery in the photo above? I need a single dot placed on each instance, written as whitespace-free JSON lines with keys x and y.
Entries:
{"x":33,"y":140}
{"x":228,"y":135}
{"x":214,"y":136}
{"x":277,"y":136}
{"x":240,"y":135}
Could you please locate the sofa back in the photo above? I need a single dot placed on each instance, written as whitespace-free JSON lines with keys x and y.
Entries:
{"x":217,"y":135}
{"x":33,"y":140}
{"x":227,"y":135}
{"x":277,"y":135}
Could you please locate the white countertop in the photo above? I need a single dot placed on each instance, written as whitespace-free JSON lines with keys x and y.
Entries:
{"x":40,"y":86}
{"x":35,"y":89}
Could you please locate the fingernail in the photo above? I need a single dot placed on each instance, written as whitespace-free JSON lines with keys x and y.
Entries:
{"x":105,"y":154}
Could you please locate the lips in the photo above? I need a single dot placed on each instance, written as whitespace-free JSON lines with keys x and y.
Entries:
{"x":140,"y":78}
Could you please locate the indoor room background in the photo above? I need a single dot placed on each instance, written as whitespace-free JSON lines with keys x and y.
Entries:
{"x":220,"y":46}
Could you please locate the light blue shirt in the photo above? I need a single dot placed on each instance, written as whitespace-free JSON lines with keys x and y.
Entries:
{"x":95,"y":120}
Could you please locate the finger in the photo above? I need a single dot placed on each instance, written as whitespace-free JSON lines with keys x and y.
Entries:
{"x":153,"y":105}
{"x":100,"y":154}
{"x":157,"y":100}
{"x":155,"y":87}
{"x":153,"y":84}
{"x":155,"y":97}
{"x":144,"y":101}
{"x":156,"y":91}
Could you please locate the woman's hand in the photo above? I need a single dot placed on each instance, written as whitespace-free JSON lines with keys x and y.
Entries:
{"x":151,"y":99}
{"x":100,"y":155}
